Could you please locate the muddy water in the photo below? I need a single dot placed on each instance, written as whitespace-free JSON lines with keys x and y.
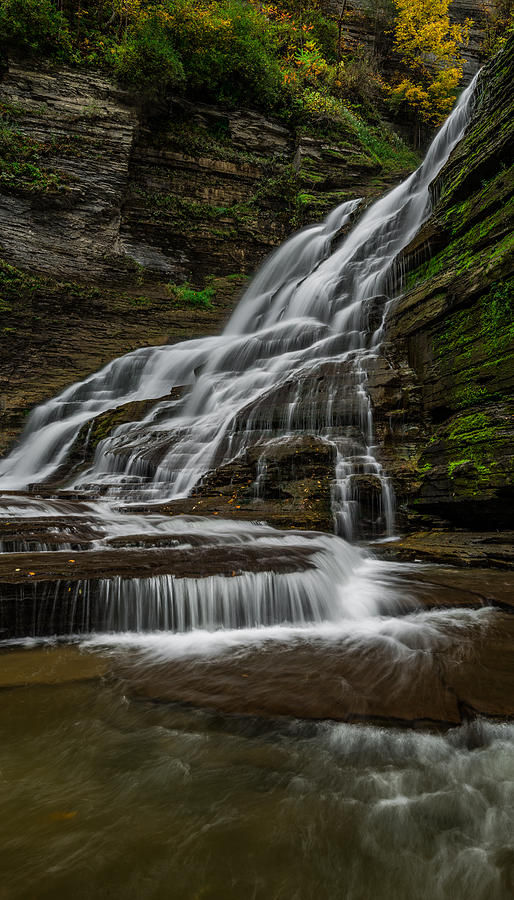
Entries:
{"x":105,"y":795}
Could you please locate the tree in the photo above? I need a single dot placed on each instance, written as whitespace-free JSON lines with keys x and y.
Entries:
{"x":498,"y":24}
{"x":429,"y":47}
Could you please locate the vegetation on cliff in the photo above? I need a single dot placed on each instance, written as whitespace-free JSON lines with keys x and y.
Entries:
{"x":457,"y":318}
{"x":429,"y":46}
{"x":290,"y":58}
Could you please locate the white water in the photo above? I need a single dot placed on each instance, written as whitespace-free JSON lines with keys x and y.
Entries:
{"x":138,"y":799}
{"x":308,"y":578}
{"x":293,"y":358}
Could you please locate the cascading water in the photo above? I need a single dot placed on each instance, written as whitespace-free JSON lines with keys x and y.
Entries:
{"x":304,"y":313}
{"x":292,"y":359}
{"x":286,"y":632}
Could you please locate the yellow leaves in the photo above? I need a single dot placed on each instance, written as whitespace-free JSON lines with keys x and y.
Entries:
{"x":128,"y":10}
{"x":423,"y":34}
{"x":321,"y":104}
{"x":430,"y":47}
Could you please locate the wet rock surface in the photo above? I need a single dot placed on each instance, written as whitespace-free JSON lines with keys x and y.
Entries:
{"x":185,"y":562}
{"x":286,"y":483}
{"x":445,"y":656}
{"x":459,"y":669}
{"x":459,"y":548}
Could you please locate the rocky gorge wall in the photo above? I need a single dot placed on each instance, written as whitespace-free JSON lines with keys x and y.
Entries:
{"x":117,"y":205}
{"x":200,"y":195}
{"x":442,"y":388}
{"x":450,"y":339}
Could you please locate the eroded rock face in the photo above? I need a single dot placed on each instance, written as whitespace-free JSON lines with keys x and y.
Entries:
{"x":74,"y":230}
{"x":163,"y":191}
{"x":450,"y":341}
{"x":145,"y":199}
{"x":286,"y":483}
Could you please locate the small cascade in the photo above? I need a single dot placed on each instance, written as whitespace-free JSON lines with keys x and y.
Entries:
{"x":262,"y":468}
{"x":292,"y":359}
{"x":253,"y":576}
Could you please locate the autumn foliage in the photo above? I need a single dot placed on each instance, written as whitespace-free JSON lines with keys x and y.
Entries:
{"x":429,"y":49}
{"x":289,"y":57}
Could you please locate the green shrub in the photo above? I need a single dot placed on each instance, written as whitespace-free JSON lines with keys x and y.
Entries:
{"x":147,"y":57}
{"x":186,"y":295}
{"x":34,"y":27}
{"x":20,"y":168}
{"x":227,"y":52}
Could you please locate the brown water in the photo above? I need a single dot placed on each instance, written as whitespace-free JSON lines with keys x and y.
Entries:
{"x":106,"y":796}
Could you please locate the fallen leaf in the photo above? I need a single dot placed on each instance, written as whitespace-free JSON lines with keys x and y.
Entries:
{"x":62,"y":816}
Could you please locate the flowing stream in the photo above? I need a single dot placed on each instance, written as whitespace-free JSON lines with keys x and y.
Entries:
{"x":125,"y":776}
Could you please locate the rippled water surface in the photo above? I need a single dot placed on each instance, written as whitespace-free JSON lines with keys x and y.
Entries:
{"x":104,"y":796}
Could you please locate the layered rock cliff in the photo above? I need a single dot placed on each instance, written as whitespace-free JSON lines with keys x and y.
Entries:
{"x":448,"y":436}
{"x":118,"y":204}
{"x":441,"y":389}
{"x":200,"y":195}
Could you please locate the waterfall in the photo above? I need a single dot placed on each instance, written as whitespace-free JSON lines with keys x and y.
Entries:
{"x":291,"y":359}
{"x":252,"y":575}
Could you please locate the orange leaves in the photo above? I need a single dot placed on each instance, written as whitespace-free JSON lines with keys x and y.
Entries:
{"x":62,"y":816}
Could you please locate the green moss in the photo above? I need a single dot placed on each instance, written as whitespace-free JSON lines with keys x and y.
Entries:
{"x":474,"y":345}
{"x":477,"y":447}
{"x":469,"y":394}
{"x":455,"y":465}
{"x":141,"y":301}
{"x":473,"y":428}
{"x":13,"y":281}
{"x":186,"y":295}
